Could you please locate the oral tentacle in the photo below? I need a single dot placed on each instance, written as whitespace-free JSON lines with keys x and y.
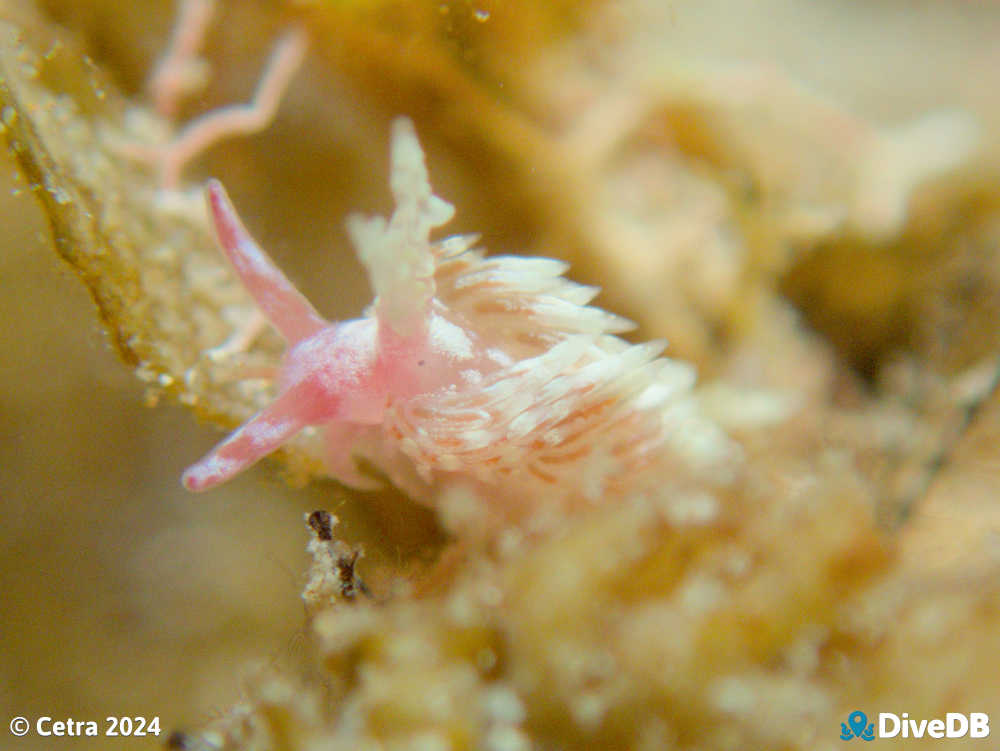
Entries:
{"x":264,"y":433}
{"x":285,"y":307}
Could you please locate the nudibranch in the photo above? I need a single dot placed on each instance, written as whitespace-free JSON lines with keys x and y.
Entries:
{"x":491,"y":372}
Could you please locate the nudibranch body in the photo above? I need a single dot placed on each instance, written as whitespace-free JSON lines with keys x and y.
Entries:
{"x":491,"y":372}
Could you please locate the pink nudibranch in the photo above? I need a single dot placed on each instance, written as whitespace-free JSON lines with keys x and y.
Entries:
{"x":493,"y":371}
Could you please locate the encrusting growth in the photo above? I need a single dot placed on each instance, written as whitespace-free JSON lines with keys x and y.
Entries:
{"x":333,"y":576}
{"x":489,"y":373}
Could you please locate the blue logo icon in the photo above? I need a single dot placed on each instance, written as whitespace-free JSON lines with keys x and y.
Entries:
{"x":859,"y":727}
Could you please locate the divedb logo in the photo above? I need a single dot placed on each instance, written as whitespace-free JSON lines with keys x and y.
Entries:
{"x":889,"y":725}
